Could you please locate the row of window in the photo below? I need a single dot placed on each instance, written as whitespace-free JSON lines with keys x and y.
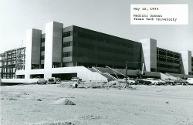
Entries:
{"x":8,"y":70}
{"x":168,"y":55}
{"x":168,"y":66}
{"x":105,"y":55}
{"x":8,"y":63}
{"x":171,"y":71}
{"x":168,"y":60}
{"x":65,"y":54}
{"x":106,"y":39}
{"x":105,"y":47}
{"x":167,"y":51}
{"x":7,"y":75}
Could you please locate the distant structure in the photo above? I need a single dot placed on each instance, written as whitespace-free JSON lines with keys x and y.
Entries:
{"x":90,"y":55}
{"x":11,"y":61}
{"x":166,"y":61}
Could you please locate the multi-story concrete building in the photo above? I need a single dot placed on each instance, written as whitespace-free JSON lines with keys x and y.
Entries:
{"x":10,"y":61}
{"x":192,"y":65}
{"x":63,"y":52}
{"x":166,"y":61}
{"x":75,"y":51}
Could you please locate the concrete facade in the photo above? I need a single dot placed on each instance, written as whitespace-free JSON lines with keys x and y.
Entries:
{"x":150,"y":54}
{"x":61,"y":48}
{"x":12,"y":61}
{"x":81,"y":71}
{"x":165,"y":61}
{"x":187,"y":62}
{"x":53,"y":46}
{"x":33,"y":40}
{"x":92,"y":48}
{"x":74,"y":51}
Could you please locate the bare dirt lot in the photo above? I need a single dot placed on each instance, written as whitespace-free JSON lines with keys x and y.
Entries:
{"x":45,"y":105}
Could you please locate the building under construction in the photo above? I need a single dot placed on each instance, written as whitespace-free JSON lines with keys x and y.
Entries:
{"x":10,"y":61}
{"x":90,"y":55}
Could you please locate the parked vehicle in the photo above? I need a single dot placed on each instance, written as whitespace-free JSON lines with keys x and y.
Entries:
{"x":180,"y":82}
{"x":52,"y":80}
{"x":42,"y":81}
{"x":190,"y":81}
{"x":156,"y":81}
{"x":76,"y":81}
{"x":129,"y":80}
{"x":169,"y":81}
{"x":58,"y":80}
{"x":143,"y":82}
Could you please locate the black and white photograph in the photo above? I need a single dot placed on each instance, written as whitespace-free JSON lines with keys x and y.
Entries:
{"x":96,"y":62}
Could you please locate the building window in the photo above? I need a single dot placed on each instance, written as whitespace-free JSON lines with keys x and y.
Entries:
{"x":42,"y":66}
{"x":67,"y":54}
{"x":42,"y":53}
{"x":67,"y":34}
{"x":56,"y":64}
{"x":35,"y":66}
{"x":67,"y":44}
{"x":42,"y":57}
{"x":42,"y":44}
{"x":42,"y":49}
{"x":20,"y":76}
{"x":42,"y":39}
{"x":37,"y":76}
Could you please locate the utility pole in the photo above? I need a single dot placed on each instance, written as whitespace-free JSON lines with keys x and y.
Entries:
{"x":126,"y":74}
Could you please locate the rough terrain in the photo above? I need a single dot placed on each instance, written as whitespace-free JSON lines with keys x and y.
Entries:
{"x":147,"y":105}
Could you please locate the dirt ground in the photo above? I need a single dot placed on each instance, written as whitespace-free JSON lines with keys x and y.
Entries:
{"x":147,"y":105}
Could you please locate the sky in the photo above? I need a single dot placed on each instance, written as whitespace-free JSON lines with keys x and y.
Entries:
{"x":108,"y":16}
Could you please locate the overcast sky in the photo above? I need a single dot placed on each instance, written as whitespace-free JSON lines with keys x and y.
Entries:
{"x":108,"y":16}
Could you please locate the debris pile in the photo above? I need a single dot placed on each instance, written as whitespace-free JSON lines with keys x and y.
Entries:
{"x":64,"y":101}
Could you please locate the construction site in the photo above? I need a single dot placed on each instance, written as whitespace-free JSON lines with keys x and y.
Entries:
{"x":73,"y":51}
{"x":77,"y":76}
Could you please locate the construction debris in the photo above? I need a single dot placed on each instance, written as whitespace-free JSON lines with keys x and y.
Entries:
{"x":64,"y":101}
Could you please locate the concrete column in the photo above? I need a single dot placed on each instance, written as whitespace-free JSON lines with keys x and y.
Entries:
{"x":150,"y":53}
{"x":187,"y":61}
{"x":53,"y":46}
{"x":33,"y":40}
